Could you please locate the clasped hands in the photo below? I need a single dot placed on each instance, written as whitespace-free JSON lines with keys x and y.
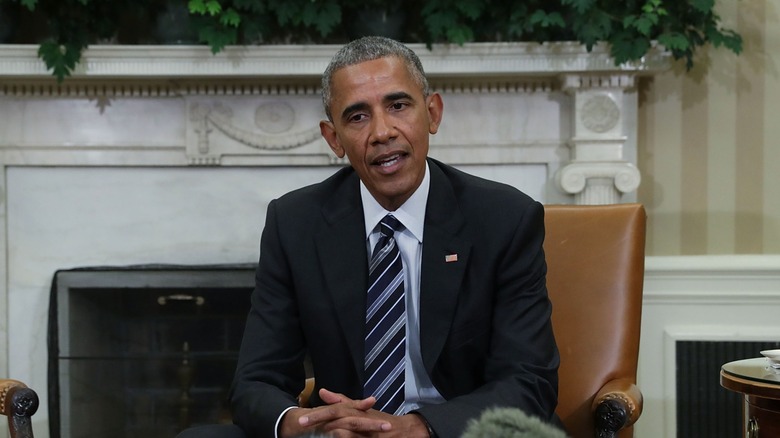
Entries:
{"x":343,"y":417}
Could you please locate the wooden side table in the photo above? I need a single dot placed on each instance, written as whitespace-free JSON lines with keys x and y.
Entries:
{"x":760,"y":385}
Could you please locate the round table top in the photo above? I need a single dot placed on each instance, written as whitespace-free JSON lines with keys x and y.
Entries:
{"x":757,"y":369}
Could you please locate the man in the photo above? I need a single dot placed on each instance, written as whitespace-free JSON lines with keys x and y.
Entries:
{"x":475,"y":331}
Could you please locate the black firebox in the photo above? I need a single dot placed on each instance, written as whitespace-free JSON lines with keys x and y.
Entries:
{"x":143,"y":351}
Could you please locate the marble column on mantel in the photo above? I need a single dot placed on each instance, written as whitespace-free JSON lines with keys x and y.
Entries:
{"x":598,"y":172}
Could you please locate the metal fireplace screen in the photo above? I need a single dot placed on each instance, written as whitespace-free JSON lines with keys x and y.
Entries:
{"x":143,"y":351}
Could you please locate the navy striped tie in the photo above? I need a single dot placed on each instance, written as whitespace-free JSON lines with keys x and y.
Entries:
{"x":386,"y":322}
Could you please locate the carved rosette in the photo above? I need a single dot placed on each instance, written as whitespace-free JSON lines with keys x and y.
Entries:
{"x":600,"y":113}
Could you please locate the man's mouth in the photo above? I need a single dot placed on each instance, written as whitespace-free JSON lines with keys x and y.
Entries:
{"x":389,"y":161}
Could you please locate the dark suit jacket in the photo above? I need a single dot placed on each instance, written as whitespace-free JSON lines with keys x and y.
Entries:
{"x":485,"y":330}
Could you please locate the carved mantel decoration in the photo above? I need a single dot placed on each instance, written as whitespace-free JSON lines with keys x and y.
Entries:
{"x":598,"y":172}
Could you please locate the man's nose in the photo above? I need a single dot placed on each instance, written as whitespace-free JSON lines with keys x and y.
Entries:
{"x":382,"y":129}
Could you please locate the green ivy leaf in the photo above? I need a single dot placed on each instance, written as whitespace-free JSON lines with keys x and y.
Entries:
{"x":213,"y":7}
{"x":733,"y":41}
{"x":460,"y":34}
{"x":727,"y":38}
{"x":593,"y":28}
{"x":29,"y":4}
{"x":61,"y":59}
{"x":555,"y":19}
{"x":471,"y":8}
{"x":644,"y":25}
{"x":581,"y":6}
{"x":286,"y":12}
{"x":217,"y":37}
{"x":703,"y":6}
{"x":254,"y":6}
{"x":207,"y":7}
{"x":650,"y":6}
{"x":674,"y":41}
{"x":544,"y":19}
{"x":439,"y":22}
{"x":230,"y":18}
{"x":626,"y":47}
{"x":330,"y":17}
{"x":196,"y":7}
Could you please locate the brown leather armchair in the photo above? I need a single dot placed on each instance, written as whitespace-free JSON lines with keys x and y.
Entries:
{"x":595,"y":274}
{"x":18,"y":403}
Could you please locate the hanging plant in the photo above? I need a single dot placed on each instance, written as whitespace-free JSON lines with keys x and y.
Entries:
{"x":629,"y":27}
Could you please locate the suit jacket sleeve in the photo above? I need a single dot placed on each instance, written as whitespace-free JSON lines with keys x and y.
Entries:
{"x":518,"y":366}
{"x":270,"y":372}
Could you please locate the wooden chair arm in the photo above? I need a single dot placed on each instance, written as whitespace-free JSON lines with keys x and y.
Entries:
{"x":617,"y":405}
{"x":18,"y":403}
{"x":303,"y":397}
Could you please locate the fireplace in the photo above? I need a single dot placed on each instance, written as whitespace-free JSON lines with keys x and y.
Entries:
{"x":143,"y":351}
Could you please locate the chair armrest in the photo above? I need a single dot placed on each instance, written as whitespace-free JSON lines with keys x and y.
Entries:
{"x":18,"y":403}
{"x":617,"y":405}
{"x":303,"y":397}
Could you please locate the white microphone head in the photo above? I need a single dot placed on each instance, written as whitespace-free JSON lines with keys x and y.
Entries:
{"x":509,"y":423}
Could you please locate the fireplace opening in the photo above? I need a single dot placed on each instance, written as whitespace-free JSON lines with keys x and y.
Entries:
{"x":144,"y":351}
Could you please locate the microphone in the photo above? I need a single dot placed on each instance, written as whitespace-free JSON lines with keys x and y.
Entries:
{"x":509,"y":423}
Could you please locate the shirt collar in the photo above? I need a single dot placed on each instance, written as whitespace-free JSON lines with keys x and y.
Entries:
{"x":411,"y":213}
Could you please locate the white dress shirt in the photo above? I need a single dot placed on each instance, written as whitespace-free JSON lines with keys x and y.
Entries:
{"x":419,"y":390}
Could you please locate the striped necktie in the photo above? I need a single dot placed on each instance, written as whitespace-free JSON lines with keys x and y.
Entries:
{"x":385,"y":344}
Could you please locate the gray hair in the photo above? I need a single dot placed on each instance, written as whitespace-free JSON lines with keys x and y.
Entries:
{"x":368,"y":49}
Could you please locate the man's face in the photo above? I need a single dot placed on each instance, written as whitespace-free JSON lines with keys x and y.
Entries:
{"x":381,"y":122}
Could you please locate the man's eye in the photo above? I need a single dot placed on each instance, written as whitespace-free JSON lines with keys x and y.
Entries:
{"x":398,"y":105}
{"x":357,"y":117}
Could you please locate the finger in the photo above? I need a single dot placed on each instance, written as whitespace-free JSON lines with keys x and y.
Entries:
{"x":359,"y":425}
{"x":327,"y":413}
{"x":330,"y":397}
{"x":365,"y":404}
{"x":341,"y":433}
{"x":341,"y":415}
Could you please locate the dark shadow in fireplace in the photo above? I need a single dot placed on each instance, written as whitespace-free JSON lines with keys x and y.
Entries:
{"x":143,"y":351}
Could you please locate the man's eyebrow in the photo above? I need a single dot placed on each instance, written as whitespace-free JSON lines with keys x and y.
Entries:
{"x":360,"y":106}
{"x":397,"y":96}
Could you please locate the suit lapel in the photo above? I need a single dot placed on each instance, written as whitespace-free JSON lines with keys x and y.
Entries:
{"x":343,"y":259}
{"x":444,"y":261}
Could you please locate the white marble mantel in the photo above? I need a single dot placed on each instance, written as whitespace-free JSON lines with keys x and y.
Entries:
{"x":564,"y":95}
{"x":169,"y":154}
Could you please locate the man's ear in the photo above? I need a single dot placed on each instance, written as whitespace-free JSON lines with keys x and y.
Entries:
{"x":435,"y":112}
{"x":328,"y":132}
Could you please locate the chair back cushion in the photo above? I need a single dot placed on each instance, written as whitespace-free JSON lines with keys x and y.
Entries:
{"x":595,"y":272}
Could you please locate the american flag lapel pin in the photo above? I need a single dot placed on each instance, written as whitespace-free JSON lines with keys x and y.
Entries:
{"x":450,"y":258}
